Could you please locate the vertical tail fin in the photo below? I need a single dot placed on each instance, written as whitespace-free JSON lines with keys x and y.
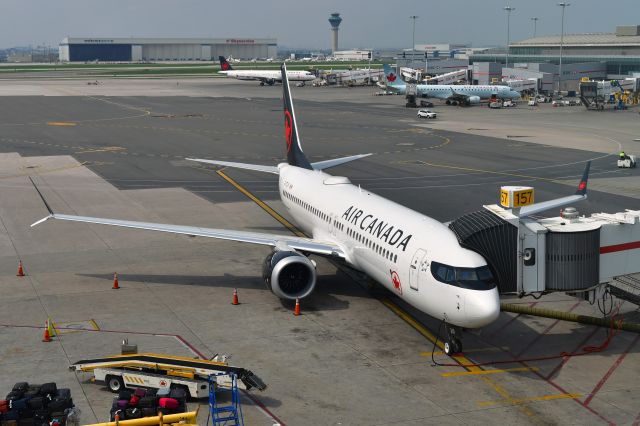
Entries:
{"x":390,"y":76}
{"x":224,"y":65}
{"x":295,"y":156}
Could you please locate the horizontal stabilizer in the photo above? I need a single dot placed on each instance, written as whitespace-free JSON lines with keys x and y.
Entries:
{"x":321,"y":165}
{"x":256,"y":167}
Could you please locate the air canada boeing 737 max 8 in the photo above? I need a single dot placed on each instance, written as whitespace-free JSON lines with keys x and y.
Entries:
{"x":414,"y":256}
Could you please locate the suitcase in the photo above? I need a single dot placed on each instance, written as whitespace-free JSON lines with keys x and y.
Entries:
{"x":27,"y":422}
{"x":9,"y":422}
{"x":20,"y":387}
{"x":133,"y":413}
{"x":60,"y":404}
{"x":125,"y":394}
{"x":13,"y":395}
{"x":170,"y":403}
{"x":149,"y":411}
{"x":47,"y":389}
{"x":163,"y":392}
{"x":11,"y":415}
{"x":37,"y":403}
{"x":151,"y":392}
{"x":63,"y":393}
{"x":41,"y":416}
{"x":122,"y":403}
{"x":178,"y":393}
{"x":148,"y":402}
{"x":139,"y":392}
{"x":18,"y":404}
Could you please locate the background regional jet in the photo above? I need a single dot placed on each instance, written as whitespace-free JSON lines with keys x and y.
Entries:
{"x":414,"y":256}
{"x":269,"y":77}
{"x":463,"y":94}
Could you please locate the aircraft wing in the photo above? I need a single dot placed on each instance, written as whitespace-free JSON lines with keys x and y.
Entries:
{"x":306,"y":245}
{"x":579,"y":195}
{"x":455,"y":96}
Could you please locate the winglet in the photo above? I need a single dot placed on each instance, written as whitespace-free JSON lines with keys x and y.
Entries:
{"x":51,"y":213}
{"x":582,"y":186}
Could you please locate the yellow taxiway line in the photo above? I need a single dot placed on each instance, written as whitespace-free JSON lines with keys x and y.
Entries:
{"x":62,"y":123}
{"x":532,"y":399}
{"x":476,"y":373}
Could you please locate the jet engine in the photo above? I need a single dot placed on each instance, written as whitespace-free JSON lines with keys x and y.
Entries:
{"x":473,"y":100}
{"x":289,"y":275}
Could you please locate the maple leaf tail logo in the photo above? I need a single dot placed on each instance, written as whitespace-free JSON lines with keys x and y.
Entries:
{"x":391,"y":77}
{"x":225,"y":66}
{"x":288,"y":129}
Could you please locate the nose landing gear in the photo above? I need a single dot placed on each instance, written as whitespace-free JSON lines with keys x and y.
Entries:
{"x":452,"y":344}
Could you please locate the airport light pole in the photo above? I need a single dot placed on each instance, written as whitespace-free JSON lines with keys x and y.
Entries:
{"x":413,"y":39}
{"x":563,"y":5}
{"x":535,"y":26}
{"x":509,"y":9}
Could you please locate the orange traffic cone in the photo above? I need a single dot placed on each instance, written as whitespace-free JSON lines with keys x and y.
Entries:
{"x":46,"y":337}
{"x":116,"y":286}
{"x":20,"y":269}
{"x":235,"y":297}
{"x":296,"y":310}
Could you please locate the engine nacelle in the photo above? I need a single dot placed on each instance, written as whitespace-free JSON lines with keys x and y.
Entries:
{"x":473,"y":100}
{"x":289,"y":275}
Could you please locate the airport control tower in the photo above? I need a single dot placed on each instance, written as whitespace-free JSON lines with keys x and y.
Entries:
{"x":335,"y":23}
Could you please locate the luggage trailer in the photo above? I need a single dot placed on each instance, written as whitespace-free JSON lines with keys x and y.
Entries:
{"x":157,"y":371}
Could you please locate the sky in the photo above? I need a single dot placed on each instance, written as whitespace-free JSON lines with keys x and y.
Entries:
{"x":303,"y":24}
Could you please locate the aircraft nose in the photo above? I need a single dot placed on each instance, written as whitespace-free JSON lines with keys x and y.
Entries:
{"x":482,"y":307}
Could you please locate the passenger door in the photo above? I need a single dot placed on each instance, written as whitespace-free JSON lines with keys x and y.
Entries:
{"x":414,"y":268}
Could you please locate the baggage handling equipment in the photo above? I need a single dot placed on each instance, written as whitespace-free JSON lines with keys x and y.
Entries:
{"x":225,"y":414}
{"x":160,"y":371}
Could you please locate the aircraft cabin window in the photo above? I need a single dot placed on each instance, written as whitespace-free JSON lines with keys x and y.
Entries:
{"x":470,"y":278}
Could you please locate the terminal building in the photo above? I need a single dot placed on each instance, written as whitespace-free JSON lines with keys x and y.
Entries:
{"x":595,"y":56}
{"x":86,"y":49}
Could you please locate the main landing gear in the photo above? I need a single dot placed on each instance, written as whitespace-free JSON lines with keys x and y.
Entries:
{"x":452,"y":344}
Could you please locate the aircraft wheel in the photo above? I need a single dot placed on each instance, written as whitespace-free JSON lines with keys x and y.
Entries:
{"x":448,"y":349}
{"x":448,"y":102}
{"x":114,"y":383}
{"x":262,"y":83}
{"x":457,"y":346}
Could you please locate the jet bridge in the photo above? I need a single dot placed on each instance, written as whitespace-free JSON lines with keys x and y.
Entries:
{"x":569,"y":253}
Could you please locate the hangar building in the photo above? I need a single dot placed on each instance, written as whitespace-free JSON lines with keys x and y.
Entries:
{"x":83,"y":49}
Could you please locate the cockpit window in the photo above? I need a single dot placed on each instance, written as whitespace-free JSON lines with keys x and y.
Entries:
{"x":472,"y":278}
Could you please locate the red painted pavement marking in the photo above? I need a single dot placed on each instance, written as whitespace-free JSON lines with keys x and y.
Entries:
{"x":567,"y":358}
{"x":610,"y":371}
{"x":636,"y":422}
{"x":620,"y":247}
{"x":539,"y":336}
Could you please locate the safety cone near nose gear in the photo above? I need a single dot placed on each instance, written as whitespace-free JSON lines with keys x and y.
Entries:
{"x":116,"y":285}
{"x":296,"y":310}
{"x":46,"y":337}
{"x":20,"y":269}
{"x":235,"y":297}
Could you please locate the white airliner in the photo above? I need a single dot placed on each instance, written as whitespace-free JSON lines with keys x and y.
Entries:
{"x":268,"y":77}
{"x":453,"y":93}
{"x":414,"y":256}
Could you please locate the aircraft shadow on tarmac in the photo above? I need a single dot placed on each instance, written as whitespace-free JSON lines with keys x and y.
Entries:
{"x":324,"y":298}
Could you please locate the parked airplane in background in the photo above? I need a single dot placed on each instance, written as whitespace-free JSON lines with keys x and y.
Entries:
{"x":414,"y":256}
{"x":454,"y":94}
{"x":269,"y":77}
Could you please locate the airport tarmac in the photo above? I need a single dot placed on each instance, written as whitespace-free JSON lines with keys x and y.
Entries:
{"x":356,"y":355}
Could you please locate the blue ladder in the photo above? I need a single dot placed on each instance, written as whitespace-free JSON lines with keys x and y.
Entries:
{"x":230,"y":414}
